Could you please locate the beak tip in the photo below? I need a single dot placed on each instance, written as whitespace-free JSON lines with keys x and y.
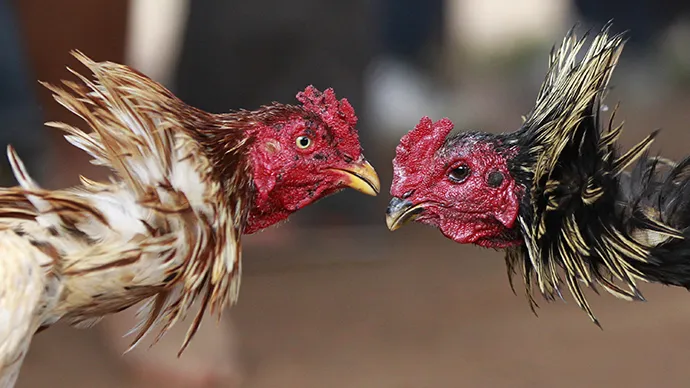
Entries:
{"x":372,"y":178}
{"x":376,"y":188}
{"x":392,"y":224}
{"x":400,"y":212}
{"x":363,"y":178}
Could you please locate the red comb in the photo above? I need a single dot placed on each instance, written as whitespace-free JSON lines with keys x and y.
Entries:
{"x":423,"y":141}
{"x":415,"y":151}
{"x":338,"y":115}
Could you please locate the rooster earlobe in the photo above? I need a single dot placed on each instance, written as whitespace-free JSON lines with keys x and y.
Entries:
{"x":264,"y":177}
{"x":508,"y":212}
{"x":265,"y":185}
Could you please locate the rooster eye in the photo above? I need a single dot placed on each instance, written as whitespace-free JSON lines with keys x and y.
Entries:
{"x":303,"y":142}
{"x":459,"y":174}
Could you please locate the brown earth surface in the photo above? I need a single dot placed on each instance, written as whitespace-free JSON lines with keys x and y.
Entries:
{"x":410,"y":309}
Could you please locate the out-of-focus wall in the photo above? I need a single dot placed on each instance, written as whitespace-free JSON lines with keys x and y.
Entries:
{"x":154,"y":36}
{"x":485,"y":26}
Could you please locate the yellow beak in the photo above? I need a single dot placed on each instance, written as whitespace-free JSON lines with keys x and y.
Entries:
{"x":361,"y":176}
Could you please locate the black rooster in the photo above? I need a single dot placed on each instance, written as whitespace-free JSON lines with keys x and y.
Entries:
{"x":554,"y":193}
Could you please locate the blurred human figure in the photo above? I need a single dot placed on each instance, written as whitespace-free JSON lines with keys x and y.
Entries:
{"x":19,"y":112}
{"x":400,"y":83}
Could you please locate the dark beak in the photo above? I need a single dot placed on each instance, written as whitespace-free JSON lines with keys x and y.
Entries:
{"x":401,"y":211}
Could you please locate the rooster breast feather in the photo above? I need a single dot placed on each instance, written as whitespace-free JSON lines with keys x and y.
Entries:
{"x":29,"y":292}
{"x":163,"y":229}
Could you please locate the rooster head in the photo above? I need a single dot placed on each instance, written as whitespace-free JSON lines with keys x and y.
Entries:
{"x":302,"y":153}
{"x":461,"y":184}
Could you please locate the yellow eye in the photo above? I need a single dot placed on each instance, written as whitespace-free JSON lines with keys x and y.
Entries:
{"x":303,"y":142}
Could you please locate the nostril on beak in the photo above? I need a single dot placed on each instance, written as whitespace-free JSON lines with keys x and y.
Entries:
{"x":395,"y":205}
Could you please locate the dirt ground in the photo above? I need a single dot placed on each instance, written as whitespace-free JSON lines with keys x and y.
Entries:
{"x":410,"y":309}
{"x":369,"y":308}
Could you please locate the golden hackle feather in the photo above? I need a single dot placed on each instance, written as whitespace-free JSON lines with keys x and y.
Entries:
{"x":564,"y":126}
{"x":163,"y":230}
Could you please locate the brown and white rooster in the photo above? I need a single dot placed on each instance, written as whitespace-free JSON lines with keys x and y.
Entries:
{"x":167,"y":227}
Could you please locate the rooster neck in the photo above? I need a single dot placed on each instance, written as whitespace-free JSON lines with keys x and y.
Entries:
{"x":226,"y":142}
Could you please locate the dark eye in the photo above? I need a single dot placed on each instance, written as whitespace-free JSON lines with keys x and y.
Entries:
{"x":303,"y":142}
{"x":459,"y":174}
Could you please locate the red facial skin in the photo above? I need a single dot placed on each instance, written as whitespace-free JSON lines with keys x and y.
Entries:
{"x":288,"y":177}
{"x":470,"y":211}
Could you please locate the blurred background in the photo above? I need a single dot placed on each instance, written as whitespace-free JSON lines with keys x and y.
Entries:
{"x":332,"y":299}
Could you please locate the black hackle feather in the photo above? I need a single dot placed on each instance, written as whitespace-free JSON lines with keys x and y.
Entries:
{"x":591,"y":215}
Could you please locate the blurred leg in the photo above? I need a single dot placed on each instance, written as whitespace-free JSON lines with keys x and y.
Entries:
{"x":212,"y":358}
